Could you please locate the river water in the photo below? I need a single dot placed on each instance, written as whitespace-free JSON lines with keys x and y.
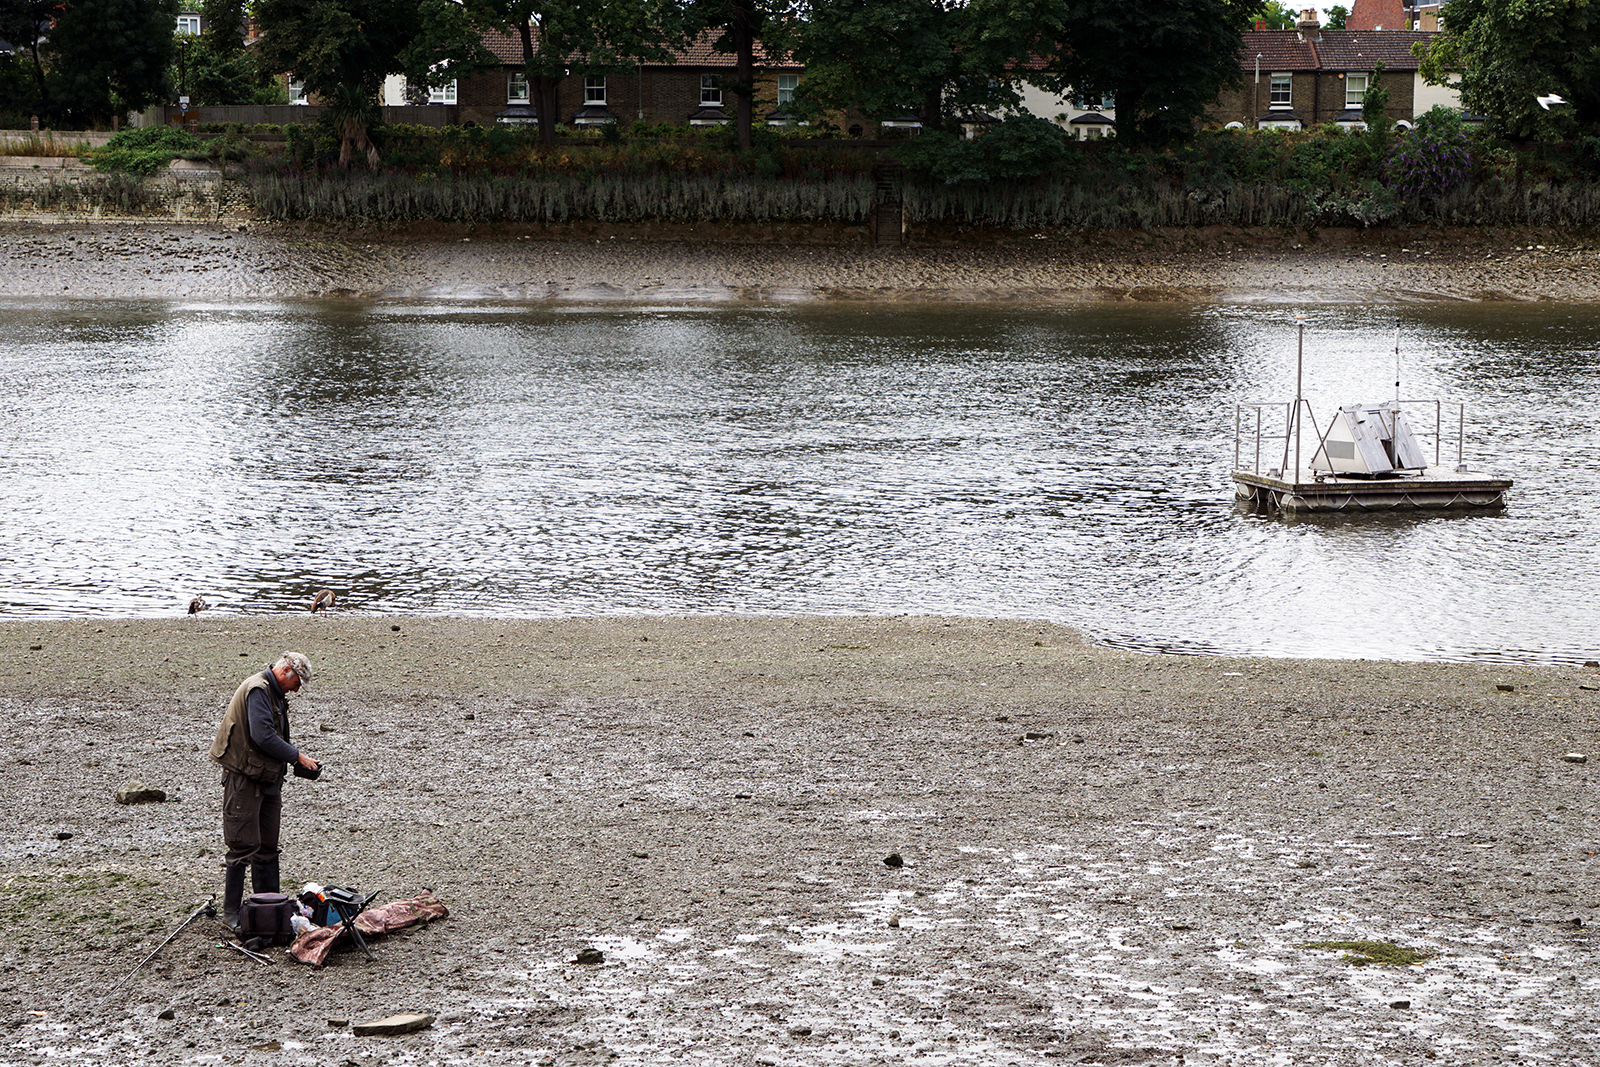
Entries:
{"x":1069,"y":464}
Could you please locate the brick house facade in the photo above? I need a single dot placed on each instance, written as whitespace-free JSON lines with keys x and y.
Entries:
{"x":1308,"y":76}
{"x":689,"y":91}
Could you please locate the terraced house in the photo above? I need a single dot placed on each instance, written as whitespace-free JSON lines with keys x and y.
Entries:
{"x":1310,"y":76}
{"x":691,"y":91}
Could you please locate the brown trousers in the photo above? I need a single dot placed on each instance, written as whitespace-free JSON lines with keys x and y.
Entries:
{"x":250,"y":819}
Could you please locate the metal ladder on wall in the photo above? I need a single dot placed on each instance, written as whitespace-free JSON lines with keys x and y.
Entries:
{"x":890,"y":204}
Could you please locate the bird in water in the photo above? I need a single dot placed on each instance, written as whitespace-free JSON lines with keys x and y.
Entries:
{"x":322,"y":601}
{"x":197,"y":605}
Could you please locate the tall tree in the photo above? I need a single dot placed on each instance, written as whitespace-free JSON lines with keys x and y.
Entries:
{"x":1504,"y":55}
{"x":1278,"y":17}
{"x":578,"y":38}
{"x":741,"y":25}
{"x":1337,"y":14}
{"x":110,"y":56}
{"x":23,"y":25}
{"x":223,"y":26}
{"x":342,"y":50}
{"x":897,"y":56}
{"x":1162,"y":61}
{"x":214,"y":69}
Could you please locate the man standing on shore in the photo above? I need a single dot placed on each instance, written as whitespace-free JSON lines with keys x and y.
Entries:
{"x":252,"y":746}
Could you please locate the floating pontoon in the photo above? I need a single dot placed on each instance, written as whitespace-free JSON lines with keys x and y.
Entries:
{"x":1369,"y":459}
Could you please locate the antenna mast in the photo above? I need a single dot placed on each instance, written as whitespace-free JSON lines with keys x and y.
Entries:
{"x":1397,"y":364}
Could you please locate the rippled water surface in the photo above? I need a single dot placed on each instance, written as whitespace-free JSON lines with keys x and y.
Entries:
{"x":1064,"y":464}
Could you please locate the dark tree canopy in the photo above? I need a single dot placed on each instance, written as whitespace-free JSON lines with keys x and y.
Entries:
{"x":897,"y":57}
{"x":1164,"y":62}
{"x":1505,"y":54}
{"x":23,"y":25}
{"x":342,"y":50}
{"x":110,"y":56}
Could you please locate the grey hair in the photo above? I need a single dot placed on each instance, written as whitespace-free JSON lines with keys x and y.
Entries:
{"x":298,"y":663}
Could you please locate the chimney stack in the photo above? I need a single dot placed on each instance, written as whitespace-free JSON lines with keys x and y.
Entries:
{"x":1310,"y":29}
{"x":1377,"y":15}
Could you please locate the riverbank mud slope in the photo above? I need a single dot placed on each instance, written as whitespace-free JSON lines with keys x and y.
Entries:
{"x":808,"y":841}
{"x":725,"y":264}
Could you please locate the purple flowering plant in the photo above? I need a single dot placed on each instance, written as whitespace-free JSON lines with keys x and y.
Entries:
{"x":1431,"y":159}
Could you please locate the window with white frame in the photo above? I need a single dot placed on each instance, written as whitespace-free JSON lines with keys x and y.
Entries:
{"x":1086,"y":102}
{"x":517,"y":87}
{"x":1282,"y":91}
{"x":1355,"y":90}
{"x":594,"y":91}
{"x":297,"y":90}
{"x":442,"y":94}
{"x":189,"y":25}
{"x":710,"y":91}
{"x":787,"y":84}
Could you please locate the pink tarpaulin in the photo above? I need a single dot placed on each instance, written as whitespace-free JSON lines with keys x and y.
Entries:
{"x":314,"y":945}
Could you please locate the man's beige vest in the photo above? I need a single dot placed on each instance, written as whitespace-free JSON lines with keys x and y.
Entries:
{"x":233,"y":748}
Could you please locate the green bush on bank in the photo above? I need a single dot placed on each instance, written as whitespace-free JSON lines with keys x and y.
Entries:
{"x":146,"y":149}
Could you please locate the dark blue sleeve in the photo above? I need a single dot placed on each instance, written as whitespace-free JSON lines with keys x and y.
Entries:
{"x":258,"y":709}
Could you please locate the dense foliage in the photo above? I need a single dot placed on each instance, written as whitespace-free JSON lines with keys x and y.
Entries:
{"x":341,"y":50}
{"x":92,"y":59}
{"x":1163,"y":61}
{"x":146,"y":149}
{"x":1433,"y":159}
{"x":1506,"y":54}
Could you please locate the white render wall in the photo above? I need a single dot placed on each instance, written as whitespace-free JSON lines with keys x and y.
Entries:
{"x":1425,"y":97}
{"x":1057,"y":109}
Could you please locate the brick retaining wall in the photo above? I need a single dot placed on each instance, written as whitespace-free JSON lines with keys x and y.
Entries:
{"x":62,"y":189}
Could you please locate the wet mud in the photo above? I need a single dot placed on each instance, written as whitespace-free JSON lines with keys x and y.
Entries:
{"x":711,"y":265}
{"x":808,"y":841}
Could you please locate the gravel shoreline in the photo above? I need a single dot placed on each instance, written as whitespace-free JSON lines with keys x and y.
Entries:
{"x":1107,"y":857}
{"x":790,"y":265}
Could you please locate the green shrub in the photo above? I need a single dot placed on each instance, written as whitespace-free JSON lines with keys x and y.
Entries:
{"x":146,"y":149}
{"x":1018,"y":149}
{"x":1433,"y":158}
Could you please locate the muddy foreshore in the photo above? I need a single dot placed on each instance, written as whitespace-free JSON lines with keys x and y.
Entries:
{"x":710,"y":264}
{"x":1108,"y":858}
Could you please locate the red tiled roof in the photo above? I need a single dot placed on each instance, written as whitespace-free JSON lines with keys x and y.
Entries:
{"x":700,"y":53}
{"x":1283,"y":50}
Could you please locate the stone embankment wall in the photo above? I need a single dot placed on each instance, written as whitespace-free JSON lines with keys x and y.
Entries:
{"x":64,"y":189}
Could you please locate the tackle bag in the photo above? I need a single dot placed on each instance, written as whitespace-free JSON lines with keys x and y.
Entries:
{"x":332,"y":905}
{"x":267,"y":915}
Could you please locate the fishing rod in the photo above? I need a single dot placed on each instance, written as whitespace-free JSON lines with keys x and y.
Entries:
{"x":208,"y":909}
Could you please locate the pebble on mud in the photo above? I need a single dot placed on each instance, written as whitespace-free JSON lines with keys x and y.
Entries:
{"x":136,"y":792}
{"x":589,"y":956}
{"x":893,"y":859}
{"x":406,"y":1023}
{"x":1576,"y":757}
